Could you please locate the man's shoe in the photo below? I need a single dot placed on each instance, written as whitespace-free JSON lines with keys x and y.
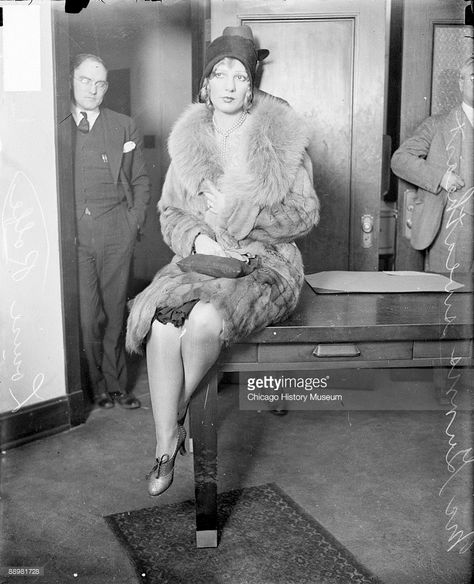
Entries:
{"x":127,"y":401}
{"x":104,"y":401}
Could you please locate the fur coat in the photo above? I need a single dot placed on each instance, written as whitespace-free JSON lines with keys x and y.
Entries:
{"x":269,"y":201}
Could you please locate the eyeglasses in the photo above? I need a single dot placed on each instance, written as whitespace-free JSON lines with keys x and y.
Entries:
{"x":468,"y":77}
{"x":100,"y":85}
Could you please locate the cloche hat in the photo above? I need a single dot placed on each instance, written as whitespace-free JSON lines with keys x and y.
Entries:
{"x":234,"y":47}
{"x":246,"y":32}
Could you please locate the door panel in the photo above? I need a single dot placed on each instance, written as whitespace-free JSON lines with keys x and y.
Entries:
{"x":327,"y":60}
{"x":327,"y":66}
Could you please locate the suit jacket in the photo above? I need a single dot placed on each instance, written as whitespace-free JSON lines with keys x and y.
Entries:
{"x":124,"y":152}
{"x":422,"y":160}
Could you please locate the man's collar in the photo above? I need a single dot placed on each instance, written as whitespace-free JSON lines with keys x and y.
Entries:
{"x":91,"y":115}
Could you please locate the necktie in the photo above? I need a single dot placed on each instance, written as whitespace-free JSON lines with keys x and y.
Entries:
{"x":83,"y":125}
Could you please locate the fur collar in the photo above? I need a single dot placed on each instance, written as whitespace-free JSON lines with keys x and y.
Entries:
{"x":276,"y":139}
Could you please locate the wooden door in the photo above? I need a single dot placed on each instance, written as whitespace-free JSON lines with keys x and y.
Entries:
{"x":435,"y":43}
{"x":327,"y":59}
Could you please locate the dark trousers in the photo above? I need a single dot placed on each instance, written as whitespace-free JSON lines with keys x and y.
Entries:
{"x":105,"y":247}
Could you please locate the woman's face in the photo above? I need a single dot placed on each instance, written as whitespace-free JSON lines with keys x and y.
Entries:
{"x":228,"y":85}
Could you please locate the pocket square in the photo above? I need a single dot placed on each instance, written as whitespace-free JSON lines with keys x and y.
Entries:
{"x":129,"y":146}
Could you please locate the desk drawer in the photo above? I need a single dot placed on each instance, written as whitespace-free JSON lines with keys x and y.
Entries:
{"x":442,"y":349}
{"x":302,"y":352}
{"x":240,"y":353}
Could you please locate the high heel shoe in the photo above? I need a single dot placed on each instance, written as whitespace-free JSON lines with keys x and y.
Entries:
{"x":161,"y":475}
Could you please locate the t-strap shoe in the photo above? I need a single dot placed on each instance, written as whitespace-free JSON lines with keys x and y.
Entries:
{"x":161,"y":475}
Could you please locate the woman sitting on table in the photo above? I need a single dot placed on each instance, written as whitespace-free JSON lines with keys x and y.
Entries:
{"x":239,"y":186}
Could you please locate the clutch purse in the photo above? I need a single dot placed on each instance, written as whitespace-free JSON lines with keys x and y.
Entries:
{"x":217,"y":266}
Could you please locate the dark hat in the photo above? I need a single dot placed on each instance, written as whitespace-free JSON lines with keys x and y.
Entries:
{"x":234,"y":47}
{"x":246,"y":32}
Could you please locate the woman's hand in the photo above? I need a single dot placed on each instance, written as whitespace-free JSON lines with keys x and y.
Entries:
{"x":204,"y":244}
{"x":214,"y":198}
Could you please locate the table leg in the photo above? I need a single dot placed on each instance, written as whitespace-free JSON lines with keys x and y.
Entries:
{"x":203,"y":420}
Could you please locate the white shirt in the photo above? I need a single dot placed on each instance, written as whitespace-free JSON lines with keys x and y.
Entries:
{"x":469,"y":111}
{"x":91,"y":115}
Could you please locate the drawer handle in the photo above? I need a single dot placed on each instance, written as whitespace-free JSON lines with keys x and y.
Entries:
{"x":336,"y":351}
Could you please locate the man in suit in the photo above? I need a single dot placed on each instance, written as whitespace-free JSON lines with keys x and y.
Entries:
{"x":438,"y":159}
{"x":111,"y":195}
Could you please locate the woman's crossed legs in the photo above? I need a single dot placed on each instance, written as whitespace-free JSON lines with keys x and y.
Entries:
{"x":177,"y":360}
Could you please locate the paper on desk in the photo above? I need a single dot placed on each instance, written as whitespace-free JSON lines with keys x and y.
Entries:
{"x":403,"y":281}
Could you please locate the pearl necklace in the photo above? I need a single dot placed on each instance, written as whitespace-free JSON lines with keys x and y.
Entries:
{"x":226,"y":133}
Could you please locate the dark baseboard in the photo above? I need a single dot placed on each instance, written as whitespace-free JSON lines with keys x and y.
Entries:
{"x":41,"y":420}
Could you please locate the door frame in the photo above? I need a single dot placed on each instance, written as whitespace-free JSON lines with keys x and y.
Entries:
{"x":67,"y":221}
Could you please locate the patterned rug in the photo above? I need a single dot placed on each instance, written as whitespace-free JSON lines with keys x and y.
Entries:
{"x":264,"y":538}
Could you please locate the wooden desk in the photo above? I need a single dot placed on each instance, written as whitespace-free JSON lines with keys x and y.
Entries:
{"x":386,"y":330}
